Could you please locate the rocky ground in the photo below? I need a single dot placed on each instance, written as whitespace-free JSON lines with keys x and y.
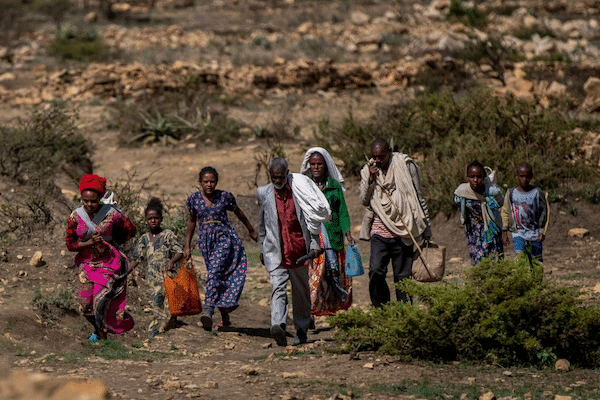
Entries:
{"x":308,"y":60}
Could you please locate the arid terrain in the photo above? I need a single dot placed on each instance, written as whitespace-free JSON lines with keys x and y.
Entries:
{"x":290,"y":63}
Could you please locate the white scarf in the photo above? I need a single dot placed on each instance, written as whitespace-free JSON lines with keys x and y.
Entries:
{"x":332,"y":169}
{"x":311,"y":201}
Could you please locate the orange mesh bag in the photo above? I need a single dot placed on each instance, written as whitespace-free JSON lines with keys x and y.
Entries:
{"x":182,"y":291}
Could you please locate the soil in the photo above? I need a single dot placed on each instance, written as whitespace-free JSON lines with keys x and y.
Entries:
{"x":243,"y":361}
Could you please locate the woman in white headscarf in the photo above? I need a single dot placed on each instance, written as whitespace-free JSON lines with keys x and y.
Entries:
{"x":330,"y":288}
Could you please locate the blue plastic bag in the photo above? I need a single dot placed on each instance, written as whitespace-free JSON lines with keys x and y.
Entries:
{"x":354,"y":266}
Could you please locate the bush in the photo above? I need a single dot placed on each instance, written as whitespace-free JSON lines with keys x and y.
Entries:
{"x":470,"y":16}
{"x":79,"y":46}
{"x":192,"y":112}
{"x":502,"y":314}
{"x":39,"y":145}
{"x":444,"y":132}
{"x":29,"y":209}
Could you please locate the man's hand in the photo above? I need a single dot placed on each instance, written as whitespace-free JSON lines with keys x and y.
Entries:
{"x":373,"y":171}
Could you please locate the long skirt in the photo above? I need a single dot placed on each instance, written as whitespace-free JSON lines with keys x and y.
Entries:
{"x":322,"y":298}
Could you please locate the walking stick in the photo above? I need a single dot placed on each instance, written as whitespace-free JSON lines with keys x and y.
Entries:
{"x":387,"y":193}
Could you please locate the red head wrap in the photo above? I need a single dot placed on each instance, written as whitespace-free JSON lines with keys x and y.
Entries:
{"x":93,"y":182}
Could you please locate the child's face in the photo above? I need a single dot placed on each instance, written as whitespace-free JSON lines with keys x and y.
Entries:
{"x":475,"y":177}
{"x":524,"y":176}
{"x":153,"y":220}
{"x":208,"y":183}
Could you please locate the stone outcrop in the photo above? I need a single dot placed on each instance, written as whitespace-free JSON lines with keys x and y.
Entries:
{"x":21,"y":385}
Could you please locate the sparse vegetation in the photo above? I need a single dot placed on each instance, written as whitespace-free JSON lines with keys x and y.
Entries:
{"x":503,"y":314}
{"x":470,"y":16}
{"x":195,"y":113}
{"x":82,"y":46}
{"x":445,"y":132}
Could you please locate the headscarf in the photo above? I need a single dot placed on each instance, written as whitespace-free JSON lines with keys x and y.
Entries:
{"x":332,"y":169}
{"x":93,"y":182}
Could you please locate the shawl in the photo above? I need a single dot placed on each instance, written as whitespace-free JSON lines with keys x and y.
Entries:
{"x":311,"y":201}
{"x":490,"y":201}
{"x":404,"y":204}
{"x":332,"y":169}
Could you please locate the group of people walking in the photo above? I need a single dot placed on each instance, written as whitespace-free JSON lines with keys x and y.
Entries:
{"x":303,"y":224}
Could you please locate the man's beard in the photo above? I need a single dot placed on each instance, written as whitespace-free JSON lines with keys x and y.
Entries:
{"x":280,"y":186}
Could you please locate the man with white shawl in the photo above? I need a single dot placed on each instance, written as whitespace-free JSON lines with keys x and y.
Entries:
{"x":291,"y":211}
{"x":390,"y":188}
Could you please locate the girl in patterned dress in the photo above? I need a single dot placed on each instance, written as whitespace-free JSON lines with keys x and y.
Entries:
{"x":480,"y":204}
{"x":220,"y":246}
{"x":160,"y":249}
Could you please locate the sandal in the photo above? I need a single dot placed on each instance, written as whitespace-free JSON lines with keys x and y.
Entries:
{"x":223,"y":324}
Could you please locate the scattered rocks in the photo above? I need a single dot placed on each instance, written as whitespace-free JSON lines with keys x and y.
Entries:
{"x":20,"y":385}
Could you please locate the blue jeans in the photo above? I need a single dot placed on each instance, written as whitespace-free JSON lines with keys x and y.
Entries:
{"x":536,"y":247}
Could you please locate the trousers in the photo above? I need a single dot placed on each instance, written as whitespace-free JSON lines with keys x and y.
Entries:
{"x":300,"y":297}
{"x":382,"y":251}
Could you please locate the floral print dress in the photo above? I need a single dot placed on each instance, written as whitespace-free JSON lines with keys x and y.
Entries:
{"x":221,"y":248}
{"x":156,"y":255}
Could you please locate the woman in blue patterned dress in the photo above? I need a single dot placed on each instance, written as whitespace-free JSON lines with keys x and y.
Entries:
{"x":480,"y":204}
{"x":220,"y":245}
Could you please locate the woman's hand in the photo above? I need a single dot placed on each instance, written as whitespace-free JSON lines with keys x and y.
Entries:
{"x":171,"y":266}
{"x":187,"y":252}
{"x":349,"y":238}
{"x":254,"y":235}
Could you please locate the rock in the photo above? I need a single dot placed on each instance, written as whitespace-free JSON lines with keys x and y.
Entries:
{"x":172,"y":385}
{"x":211,"y":385}
{"x":20,"y":256}
{"x":20,"y":385}
{"x":559,"y":397}
{"x":292,"y":375}
{"x":359,"y":18}
{"x":369,"y":366}
{"x":592,"y":87}
{"x":85,"y":390}
{"x":487,"y":396}
{"x":562,"y":365}
{"x":37,"y":260}
{"x":91,"y":17}
{"x":597,"y":288}
{"x":578,"y":232}
{"x":557,"y":90}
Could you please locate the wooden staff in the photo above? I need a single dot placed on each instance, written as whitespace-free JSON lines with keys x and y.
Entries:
{"x":387,"y":193}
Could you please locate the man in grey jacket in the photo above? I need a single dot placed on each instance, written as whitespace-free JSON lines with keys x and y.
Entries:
{"x":292,"y":209}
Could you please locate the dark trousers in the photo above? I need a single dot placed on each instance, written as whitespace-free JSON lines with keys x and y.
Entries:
{"x":382,"y":251}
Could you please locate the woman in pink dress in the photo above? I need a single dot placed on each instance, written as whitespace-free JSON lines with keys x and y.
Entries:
{"x":95,"y":231}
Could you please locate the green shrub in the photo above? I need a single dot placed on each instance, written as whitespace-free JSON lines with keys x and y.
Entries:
{"x":444,"y":132}
{"x":470,"y":16}
{"x":39,"y":145}
{"x":192,"y":111}
{"x":79,"y":46}
{"x":502,"y":314}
